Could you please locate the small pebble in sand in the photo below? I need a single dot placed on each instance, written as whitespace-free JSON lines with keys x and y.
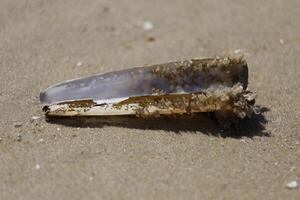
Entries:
{"x":148,"y":26}
{"x":35,"y":117}
{"x":91,"y":178}
{"x":150,"y":39}
{"x":41,"y":140}
{"x":292,"y":184}
{"x":281,"y":41}
{"x":18,"y":124}
{"x":19,"y":137}
{"x":58,"y":129}
{"x":79,"y":64}
{"x":297,"y":143}
{"x":292,"y":169}
{"x":237,"y":51}
{"x":37,"y":167}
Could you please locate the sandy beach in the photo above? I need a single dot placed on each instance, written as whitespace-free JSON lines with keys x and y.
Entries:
{"x":46,"y":42}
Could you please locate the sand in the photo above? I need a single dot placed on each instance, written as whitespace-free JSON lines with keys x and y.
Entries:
{"x":45,"y":42}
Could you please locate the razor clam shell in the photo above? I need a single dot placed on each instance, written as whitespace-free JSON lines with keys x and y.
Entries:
{"x":227,"y":101}
{"x":190,"y":76}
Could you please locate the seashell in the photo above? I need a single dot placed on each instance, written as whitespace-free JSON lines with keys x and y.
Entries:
{"x":216,"y":85}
